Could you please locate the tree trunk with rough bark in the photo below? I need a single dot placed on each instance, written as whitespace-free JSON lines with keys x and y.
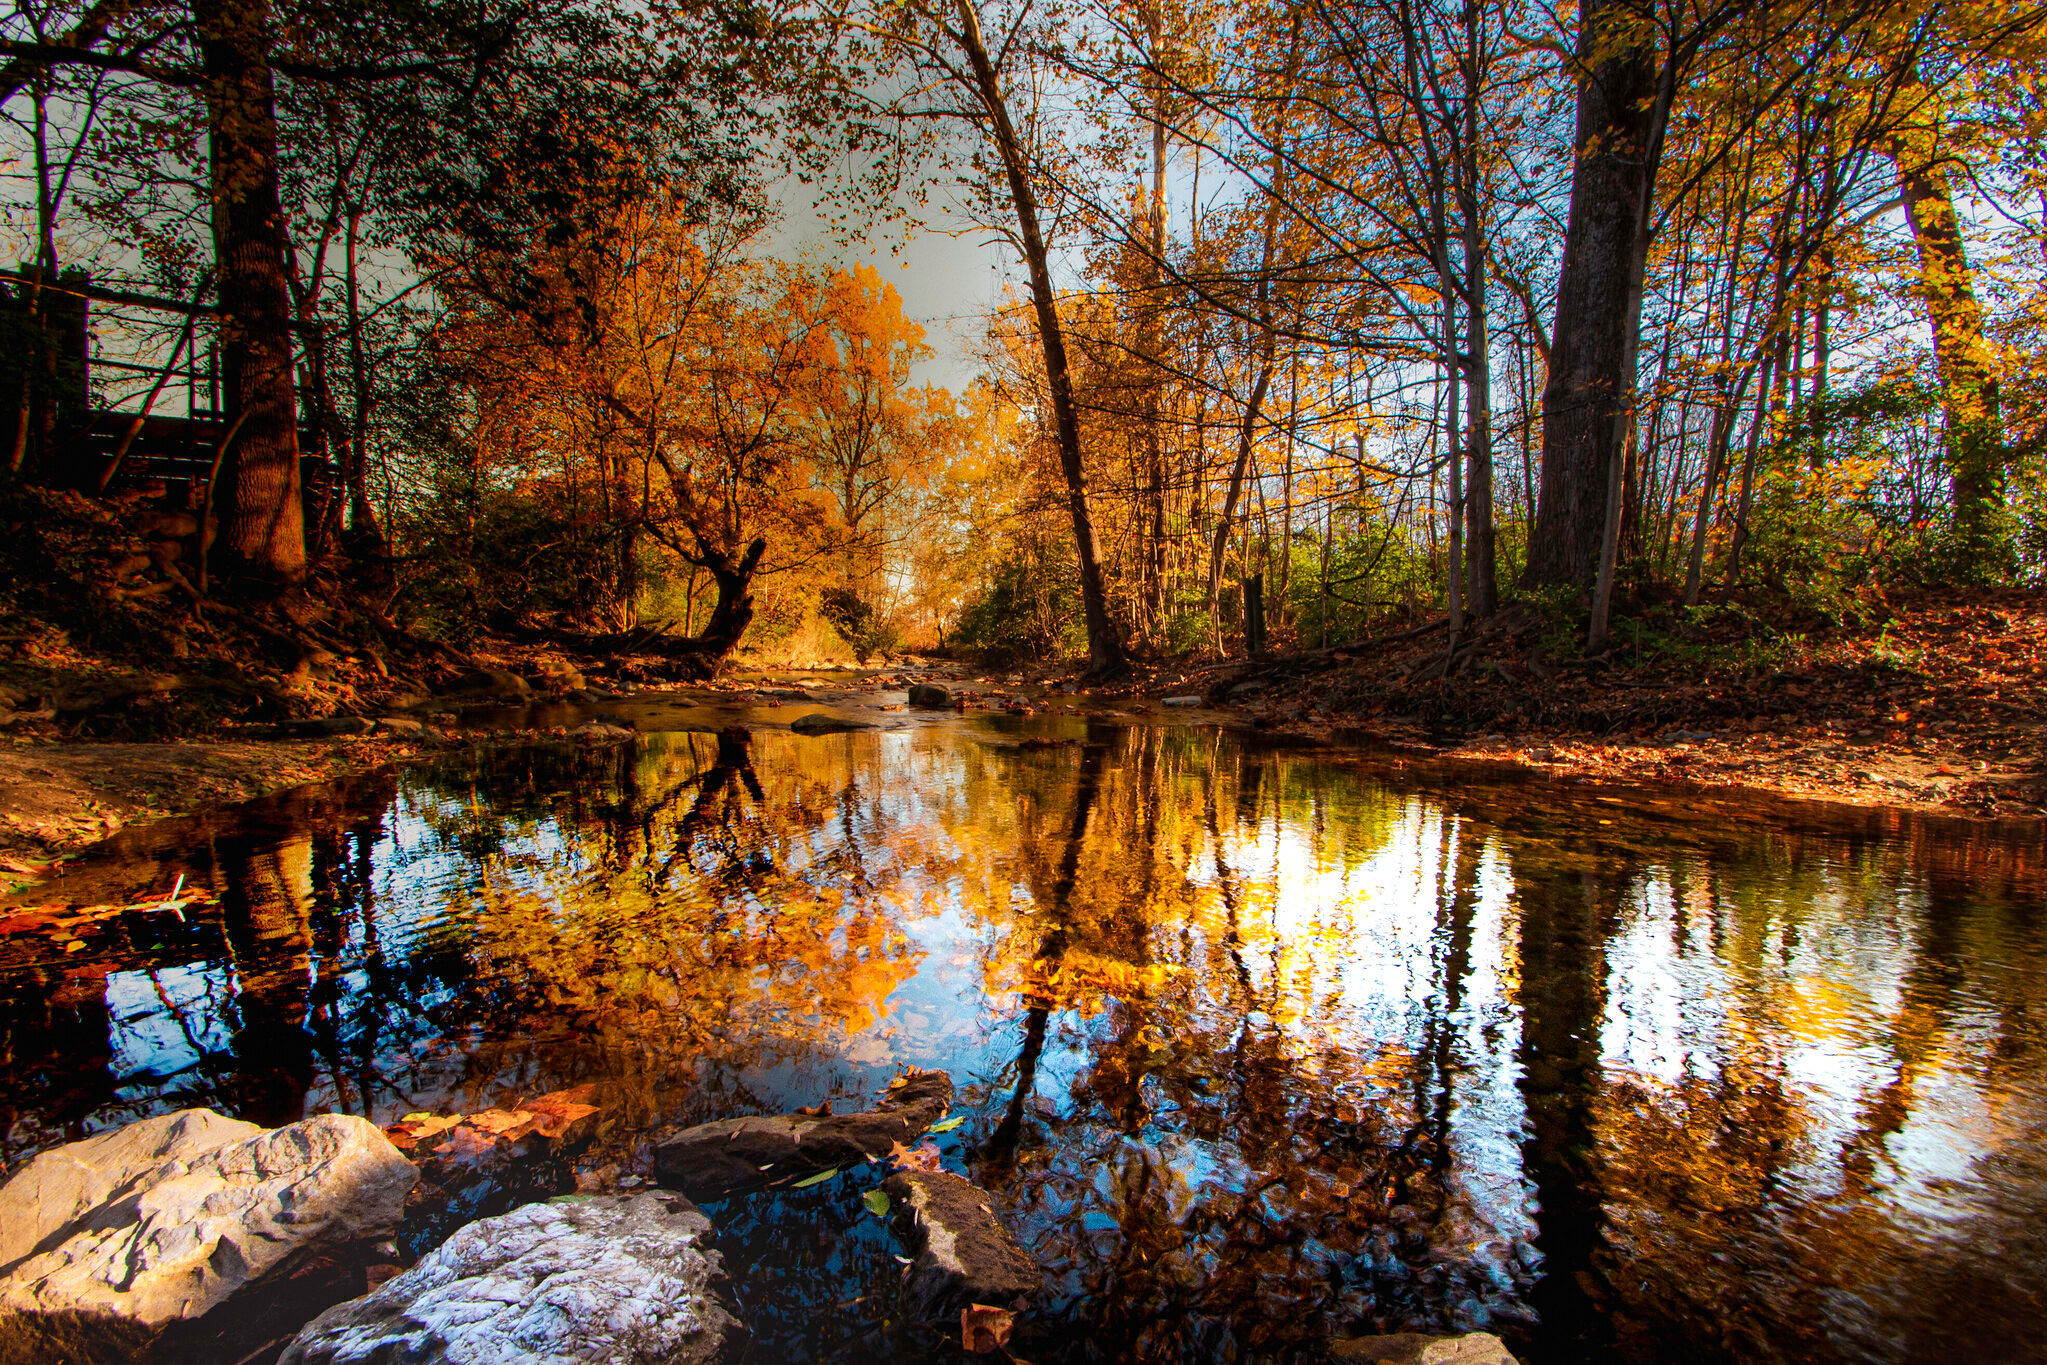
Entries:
{"x":1587,"y":401}
{"x":263,"y":531}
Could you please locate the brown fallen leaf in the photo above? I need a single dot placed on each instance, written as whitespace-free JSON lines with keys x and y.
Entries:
{"x":416,"y":1128}
{"x":569,"y":1115}
{"x":817,"y":1111}
{"x":466,"y":1144}
{"x":984,"y":1329}
{"x":500,"y":1123}
{"x":924,"y":1156}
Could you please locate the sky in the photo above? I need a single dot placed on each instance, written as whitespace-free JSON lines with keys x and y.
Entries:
{"x":949,"y":275}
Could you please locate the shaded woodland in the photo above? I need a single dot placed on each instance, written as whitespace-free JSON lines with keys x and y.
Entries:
{"x":1321,"y":319}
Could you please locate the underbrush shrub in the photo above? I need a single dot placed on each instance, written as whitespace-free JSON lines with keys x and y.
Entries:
{"x":858,"y":623}
{"x":1028,"y":610}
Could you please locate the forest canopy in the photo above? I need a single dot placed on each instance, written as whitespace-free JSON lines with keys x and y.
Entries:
{"x":1320,"y":316}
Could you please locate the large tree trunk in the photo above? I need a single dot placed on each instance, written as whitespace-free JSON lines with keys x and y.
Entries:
{"x":1104,"y":646}
{"x":1968,"y":377}
{"x":734,"y":610}
{"x":264,"y":528}
{"x":1587,"y":401}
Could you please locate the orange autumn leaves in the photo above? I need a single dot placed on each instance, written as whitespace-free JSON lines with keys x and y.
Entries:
{"x":565,"y":1116}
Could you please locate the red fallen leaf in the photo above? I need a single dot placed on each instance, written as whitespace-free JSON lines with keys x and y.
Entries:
{"x":984,"y":1329}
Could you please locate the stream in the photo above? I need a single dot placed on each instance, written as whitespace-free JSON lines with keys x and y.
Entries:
{"x":1255,"y":1045}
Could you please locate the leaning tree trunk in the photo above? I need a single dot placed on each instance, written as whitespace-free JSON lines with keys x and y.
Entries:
{"x":1104,"y":647}
{"x":1586,"y":405}
{"x":734,"y":610}
{"x":264,"y":527}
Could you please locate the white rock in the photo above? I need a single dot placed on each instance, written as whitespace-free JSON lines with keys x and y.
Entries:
{"x":586,"y":1280}
{"x":166,"y":1218}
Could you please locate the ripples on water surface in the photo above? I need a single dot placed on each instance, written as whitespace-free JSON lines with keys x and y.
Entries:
{"x":1253,"y":1047}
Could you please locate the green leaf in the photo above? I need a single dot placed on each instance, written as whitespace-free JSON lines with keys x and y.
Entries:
{"x":817,"y":1179}
{"x":876,"y":1202}
{"x":947,"y":1126}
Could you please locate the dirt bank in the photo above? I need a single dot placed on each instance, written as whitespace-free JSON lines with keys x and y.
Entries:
{"x":56,"y":798}
{"x":1933,"y":704}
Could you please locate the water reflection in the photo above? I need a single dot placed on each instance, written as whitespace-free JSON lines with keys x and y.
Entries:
{"x":1255,"y":1048}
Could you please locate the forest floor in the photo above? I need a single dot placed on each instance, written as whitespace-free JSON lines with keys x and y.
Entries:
{"x":1938,"y":706}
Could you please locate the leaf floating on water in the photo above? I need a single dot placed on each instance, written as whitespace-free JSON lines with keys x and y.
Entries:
{"x":876,"y":1202}
{"x":817,"y":1179}
{"x":984,"y":1329}
{"x":817,"y":1111}
{"x":948,"y":1125}
{"x":500,"y":1123}
{"x":923,"y":1157}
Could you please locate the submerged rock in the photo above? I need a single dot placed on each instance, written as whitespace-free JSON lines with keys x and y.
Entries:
{"x":167,"y":1218}
{"x":714,"y":1159}
{"x":964,"y":1254}
{"x":929,"y":696}
{"x":1414,"y":1348}
{"x":584,"y":1280}
{"x":601,"y":732}
{"x":819,"y":723}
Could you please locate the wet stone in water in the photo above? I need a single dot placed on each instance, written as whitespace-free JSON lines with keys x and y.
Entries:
{"x":964,"y":1255}
{"x":1414,"y":1348}
{"x":734,"y":1155}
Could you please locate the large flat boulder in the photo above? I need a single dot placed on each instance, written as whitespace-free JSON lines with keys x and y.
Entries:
{"x":964,"y":1254}
{"x":716,"y":1159}
{"x":166,"y":1219}
{"x":592,"y":1280}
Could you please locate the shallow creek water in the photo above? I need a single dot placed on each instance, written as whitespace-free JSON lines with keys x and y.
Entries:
{"x":1254,"y":1046}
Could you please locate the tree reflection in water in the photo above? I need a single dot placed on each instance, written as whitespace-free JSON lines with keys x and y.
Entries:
{"x":1253,"y":1047}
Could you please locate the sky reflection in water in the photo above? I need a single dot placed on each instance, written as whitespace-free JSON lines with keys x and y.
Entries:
{"x":1253,"y":1048}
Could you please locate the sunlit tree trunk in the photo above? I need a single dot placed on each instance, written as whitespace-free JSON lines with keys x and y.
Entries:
{"x":1968,"y":376}
{"x":1483,"y":597}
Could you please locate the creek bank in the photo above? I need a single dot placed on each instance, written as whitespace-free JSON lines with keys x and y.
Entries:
{"x":171,"y":1218}
{"x":1932,"y":703}
{"x":58,"y":798}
